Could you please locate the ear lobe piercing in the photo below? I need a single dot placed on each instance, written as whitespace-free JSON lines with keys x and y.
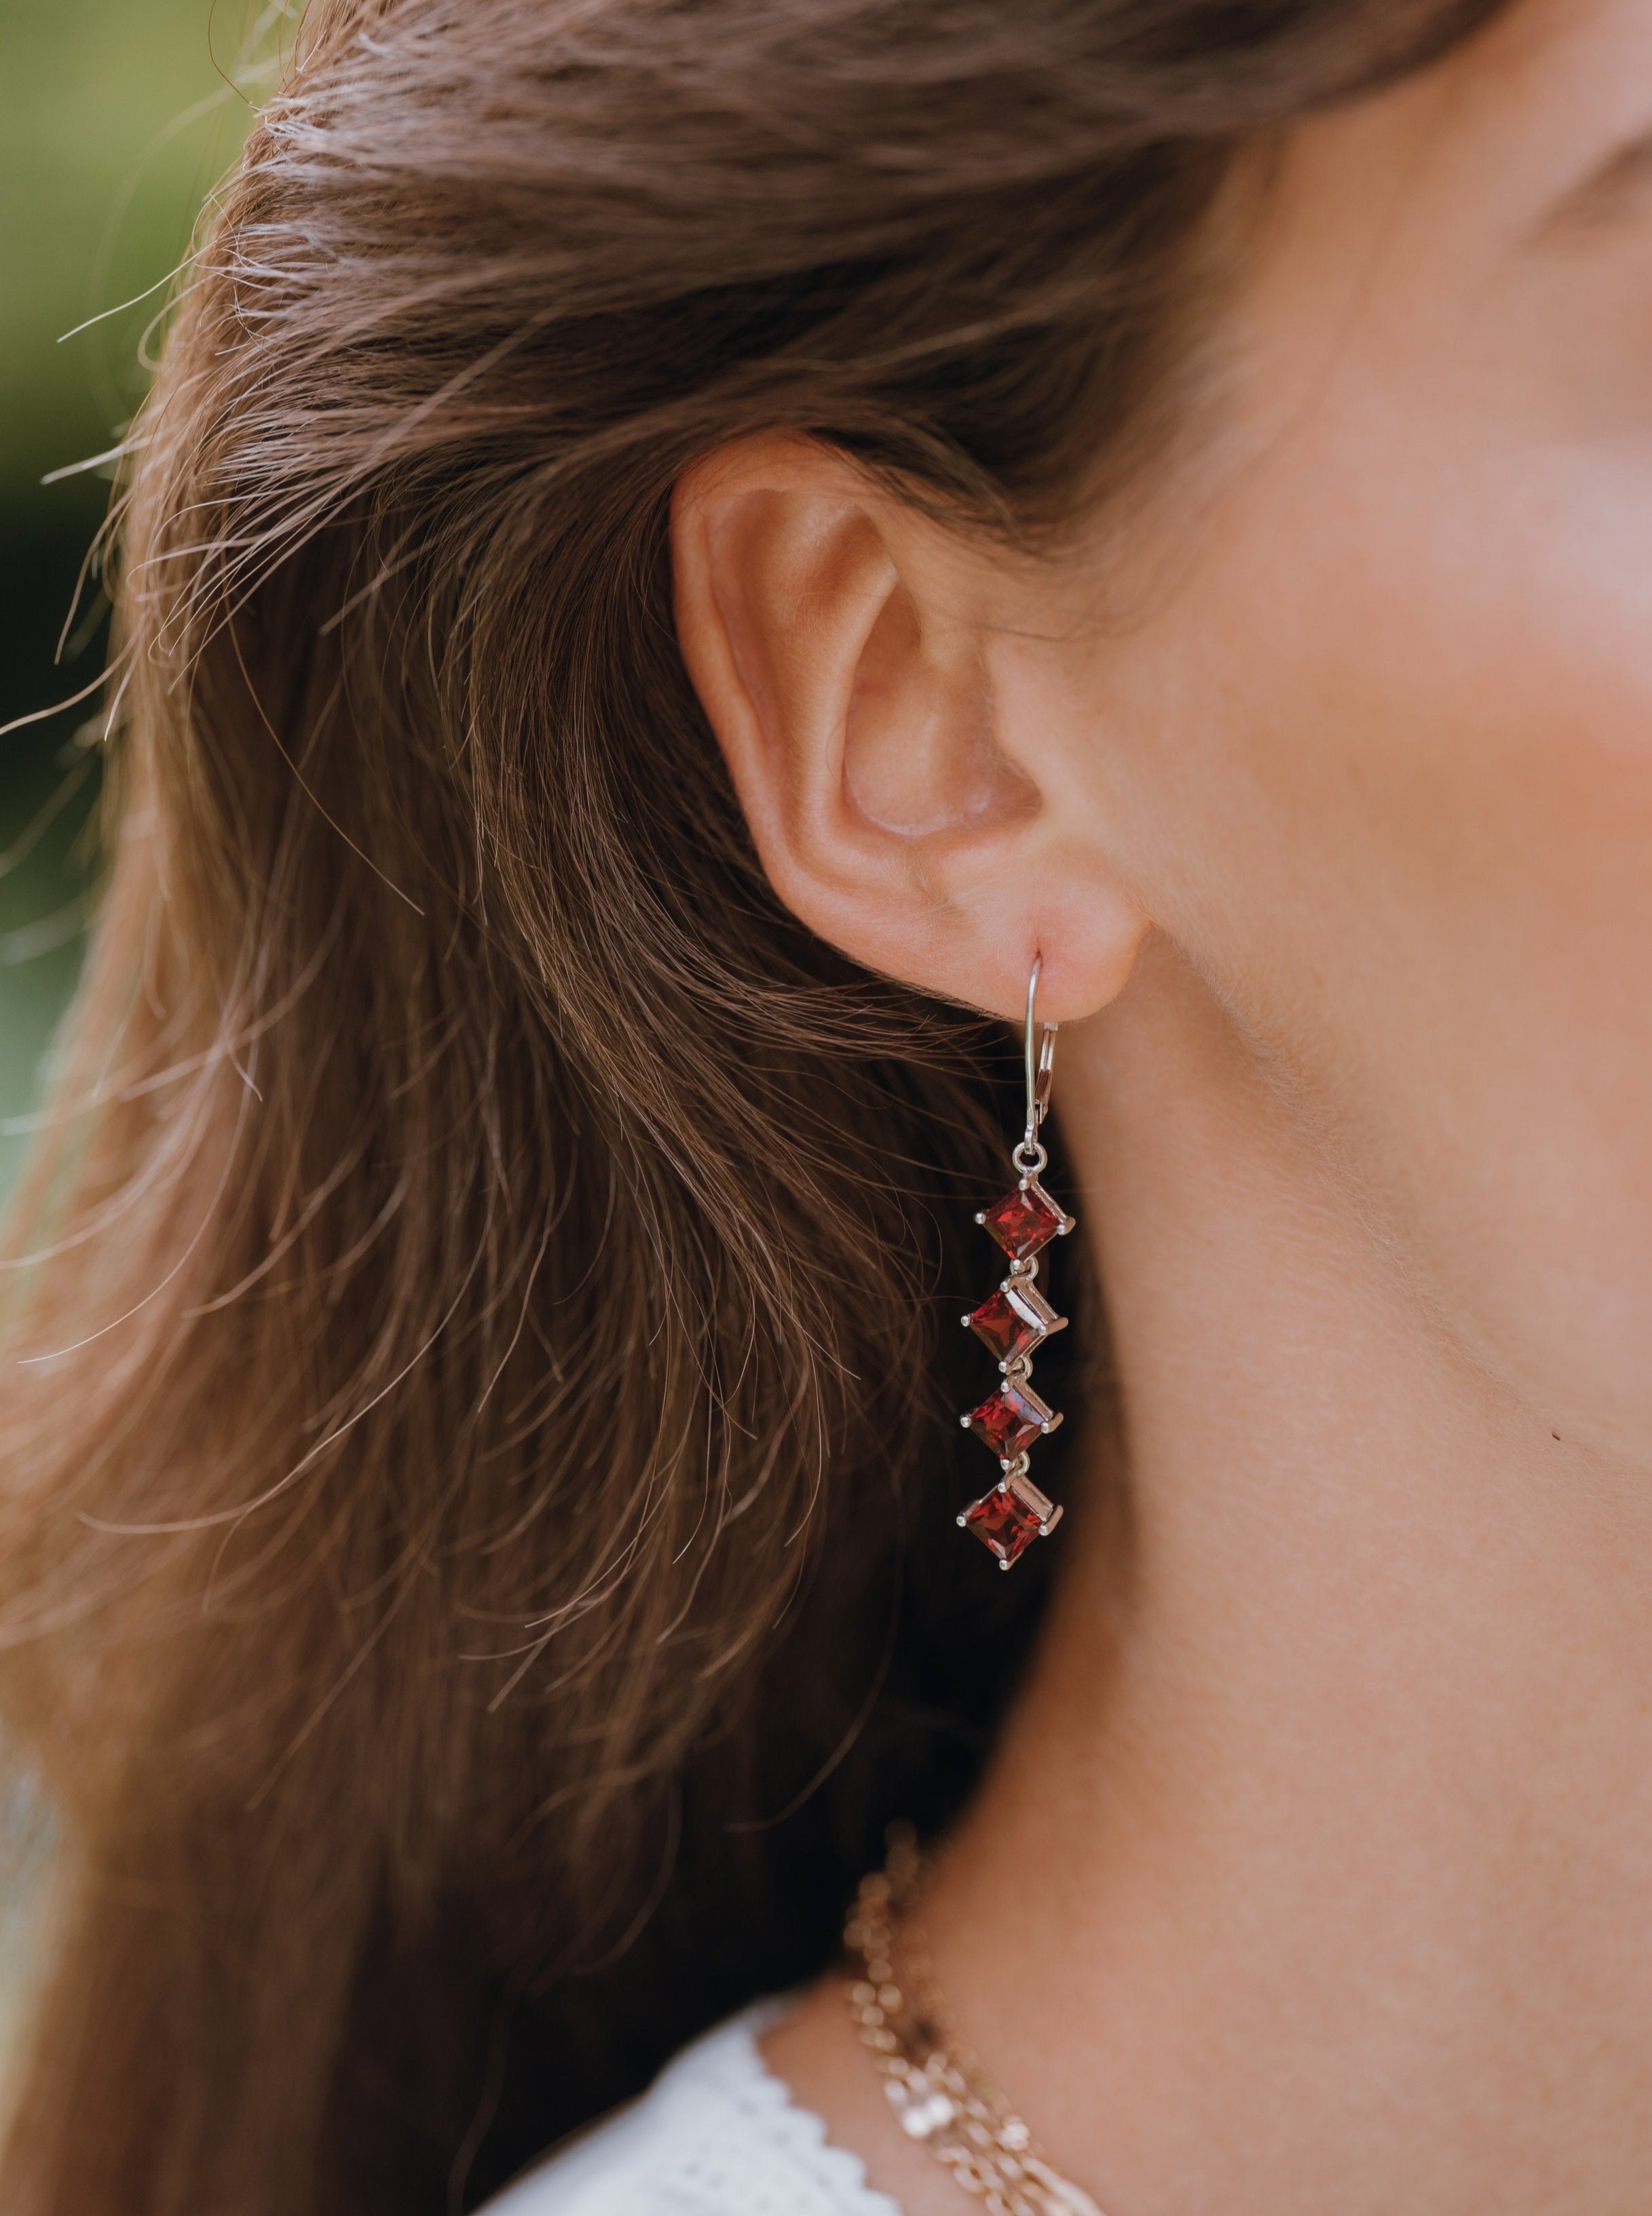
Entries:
{"x":1013,"y":1321}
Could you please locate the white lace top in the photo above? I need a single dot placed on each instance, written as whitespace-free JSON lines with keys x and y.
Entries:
{"x":717,"y":2134}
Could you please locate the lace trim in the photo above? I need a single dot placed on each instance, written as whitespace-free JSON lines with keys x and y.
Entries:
{"x":717,"y":2134}
{"x":730,"y":2060}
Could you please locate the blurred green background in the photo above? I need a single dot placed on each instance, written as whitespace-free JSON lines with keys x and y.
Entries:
{"x":116,"y":118}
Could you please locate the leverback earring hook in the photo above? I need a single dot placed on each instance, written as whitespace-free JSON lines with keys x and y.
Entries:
{"x":1040,"y":1054}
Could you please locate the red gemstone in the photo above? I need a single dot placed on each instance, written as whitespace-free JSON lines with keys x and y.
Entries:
{"x":1009,"y":1420}
{"x":1002,"y":1523}
{"x":1013,"y":1321}
{"x":1025,"y":1220}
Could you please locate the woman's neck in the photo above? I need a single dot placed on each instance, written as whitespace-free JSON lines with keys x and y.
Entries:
{"x":1312,"y":1873}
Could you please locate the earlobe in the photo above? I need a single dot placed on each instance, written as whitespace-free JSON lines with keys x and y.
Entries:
{"x":842,"y":647}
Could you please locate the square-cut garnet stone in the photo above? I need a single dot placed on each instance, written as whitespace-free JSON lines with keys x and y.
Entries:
{"x":1002,"y":1523}
{"x":1009,"y":1420}
{"x":1013,"y":1321}
{"x":1025,"y":1220}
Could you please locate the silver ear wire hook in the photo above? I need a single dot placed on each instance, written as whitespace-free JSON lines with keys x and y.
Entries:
{"x":1029,"y":1156}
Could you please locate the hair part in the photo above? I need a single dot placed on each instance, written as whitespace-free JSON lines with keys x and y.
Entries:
{"x":468,"y":1584}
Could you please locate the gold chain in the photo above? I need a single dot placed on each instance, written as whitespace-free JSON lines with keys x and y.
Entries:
{"x":934,"y":2081}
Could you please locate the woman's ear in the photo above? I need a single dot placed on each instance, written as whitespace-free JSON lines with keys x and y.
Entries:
{"x":846,"y":652}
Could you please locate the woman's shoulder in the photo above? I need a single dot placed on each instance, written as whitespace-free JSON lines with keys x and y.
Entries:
{"x":717,"y":2134}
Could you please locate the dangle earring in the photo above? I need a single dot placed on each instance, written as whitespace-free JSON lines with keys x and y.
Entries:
{"x":1014,"y":1323}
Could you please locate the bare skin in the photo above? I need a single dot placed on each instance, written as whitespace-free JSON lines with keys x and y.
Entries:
{"x":1323,"y":784}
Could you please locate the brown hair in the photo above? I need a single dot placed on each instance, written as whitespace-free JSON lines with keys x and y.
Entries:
{"x":476,"y":1531}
